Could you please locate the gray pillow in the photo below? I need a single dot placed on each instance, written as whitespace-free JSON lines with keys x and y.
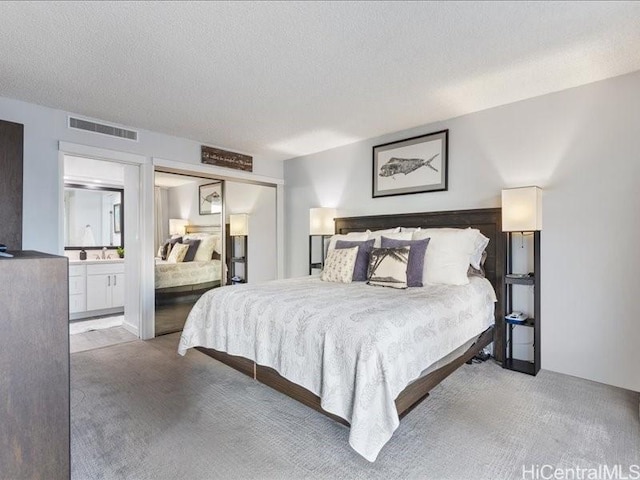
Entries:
{"x":416,"y":257}
{"x":168,"y":245}
{"x":362,"y":260}
{"x":193,"y":248}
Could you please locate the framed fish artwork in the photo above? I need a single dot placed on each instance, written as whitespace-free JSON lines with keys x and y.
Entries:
{"x":414,"y":165}
{"x":210,"y":198}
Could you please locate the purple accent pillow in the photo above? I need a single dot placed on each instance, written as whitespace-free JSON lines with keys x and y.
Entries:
{"x":362,"y":260}
{"x":193,"y":248}
{"x":416,"y":257}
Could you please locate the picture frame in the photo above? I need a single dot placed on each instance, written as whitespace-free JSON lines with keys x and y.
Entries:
{"x":413,"y":165}
{"x":117,"y":217}
{"x":210,"y":199}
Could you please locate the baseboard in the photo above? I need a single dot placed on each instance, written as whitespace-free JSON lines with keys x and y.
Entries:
{"x":131,"y":328}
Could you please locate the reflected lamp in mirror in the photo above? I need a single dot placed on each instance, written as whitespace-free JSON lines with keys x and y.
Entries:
{"x":522,"y":209}
{"x":239,"y":225}
{"x":321,"y":221}
{"x":177,"y":226}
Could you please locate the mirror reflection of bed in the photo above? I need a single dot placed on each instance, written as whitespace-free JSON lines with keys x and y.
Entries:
{"x":189,"y":244}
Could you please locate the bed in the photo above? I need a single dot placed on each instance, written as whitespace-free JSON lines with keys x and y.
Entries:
{"x":189,"y":278}
{"x":388,"y":349}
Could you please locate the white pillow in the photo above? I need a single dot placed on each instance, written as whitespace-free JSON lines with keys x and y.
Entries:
{"x":448,"y":254}
{"x":479,"y":246}
{"x":409,"y":229}
{"x":377,"y":235}
{"x":178,"y":253}
{"x":350,"y":237}
{"x":339,"y":265}
{"x":205,"y":249}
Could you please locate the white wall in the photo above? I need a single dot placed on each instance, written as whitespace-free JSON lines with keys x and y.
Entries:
{"x":44,"y":128}
{"x":581,"y":146}
{"x":260,"y":203}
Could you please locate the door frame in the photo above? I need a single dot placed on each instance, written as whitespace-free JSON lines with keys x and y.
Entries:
{"x":134,"y":306}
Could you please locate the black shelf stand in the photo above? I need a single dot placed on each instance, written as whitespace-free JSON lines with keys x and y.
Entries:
{"x":317,"y":265}
{"x":238,"y":259}
{"x":524,"y":366}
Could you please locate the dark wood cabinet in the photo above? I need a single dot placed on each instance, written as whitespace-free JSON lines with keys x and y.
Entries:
{"x":34,"y":367}
{"x":532,"y":319}
{"x":11,"y":147}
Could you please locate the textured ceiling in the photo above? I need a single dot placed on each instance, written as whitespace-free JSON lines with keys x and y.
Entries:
{"x":280,"y":79}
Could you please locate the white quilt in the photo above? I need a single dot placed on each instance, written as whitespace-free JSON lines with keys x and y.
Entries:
{"x":355,"y":346}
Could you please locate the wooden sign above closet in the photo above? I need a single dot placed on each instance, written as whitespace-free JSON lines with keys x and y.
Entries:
{"x":224,"y":158}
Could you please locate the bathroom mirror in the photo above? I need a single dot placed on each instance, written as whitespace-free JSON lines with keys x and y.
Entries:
{"x":93,"y":217}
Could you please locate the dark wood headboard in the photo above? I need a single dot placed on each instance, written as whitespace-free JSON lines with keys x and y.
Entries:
{"x":487,"y":220}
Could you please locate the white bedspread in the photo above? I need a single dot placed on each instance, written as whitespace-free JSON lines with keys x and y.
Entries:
{"x":355,"y":346}
{"x":186,"y":273}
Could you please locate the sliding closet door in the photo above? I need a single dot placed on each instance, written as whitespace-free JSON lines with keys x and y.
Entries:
{"x":11,"y":144}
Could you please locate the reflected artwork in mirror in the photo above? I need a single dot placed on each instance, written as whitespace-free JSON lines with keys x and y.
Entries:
{"x":93,"y":216}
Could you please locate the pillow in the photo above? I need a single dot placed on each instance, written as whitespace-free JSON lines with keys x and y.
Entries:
{"x":415,"y":266}
{"x":479,"y":247}
{"x":362,"y":259}
{"x":178,"y":252}
{"x":408,"y":229}
{"x":448,"y":256}
{"x":205,"y":249}
{"x":478,"y":272}
{"x":351,"y":236}
{"x":193,"y":248}
{"x":388,"y":267}
{"x":168,"y":246}
{"x":339,"y":265}
{"x":376,"y":234}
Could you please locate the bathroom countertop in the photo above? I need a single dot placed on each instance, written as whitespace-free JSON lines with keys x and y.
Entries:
{"x":95,"y":261}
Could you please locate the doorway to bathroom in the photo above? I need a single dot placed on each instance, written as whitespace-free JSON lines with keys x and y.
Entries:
{"x":98,"y":200}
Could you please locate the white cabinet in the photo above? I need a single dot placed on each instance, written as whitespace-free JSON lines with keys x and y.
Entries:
{"x":77,"y":288}
{"x":105,"y":286}
{"x":96,"y":287}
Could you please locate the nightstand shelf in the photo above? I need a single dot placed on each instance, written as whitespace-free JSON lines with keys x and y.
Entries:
{"x":519,"y":280}
{"x":529,"y":281}
{"x":522,"y":366}
{"x":317,"y":265}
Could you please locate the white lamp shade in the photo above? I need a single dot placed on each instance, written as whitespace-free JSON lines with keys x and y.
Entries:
{"x":522,"y":209}
{"x":239,"y":225}
{"x":177,"y":226}
{"x":321,"y":221}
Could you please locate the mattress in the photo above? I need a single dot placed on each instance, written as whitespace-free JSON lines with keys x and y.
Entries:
{"x":353,"y":345}
{"x":186,"y":273}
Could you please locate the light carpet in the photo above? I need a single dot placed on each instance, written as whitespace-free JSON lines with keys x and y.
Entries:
{"x":139,"y":411}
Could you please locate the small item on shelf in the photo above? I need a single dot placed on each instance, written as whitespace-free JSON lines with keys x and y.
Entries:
{"x":236,"y":280}
{"x":83,"y":255}
{"x":518,"y":316}
{"x":519,"y":275}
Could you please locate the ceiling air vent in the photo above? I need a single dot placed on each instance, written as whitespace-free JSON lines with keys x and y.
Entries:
{"x":87,"y":126}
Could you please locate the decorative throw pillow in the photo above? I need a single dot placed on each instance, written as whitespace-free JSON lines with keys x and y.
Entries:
{"x":388,"y":267}
{"x":193,"y":248}
{"x":362,"y":259}
{"x":168,"y":246}
{"x":416,"y":257}
{"x":448,"y":256}
{"x":339,"y":265}
{"x":351,"y":237}
{"x":205,"y":249}
{"x":178,"y":252}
